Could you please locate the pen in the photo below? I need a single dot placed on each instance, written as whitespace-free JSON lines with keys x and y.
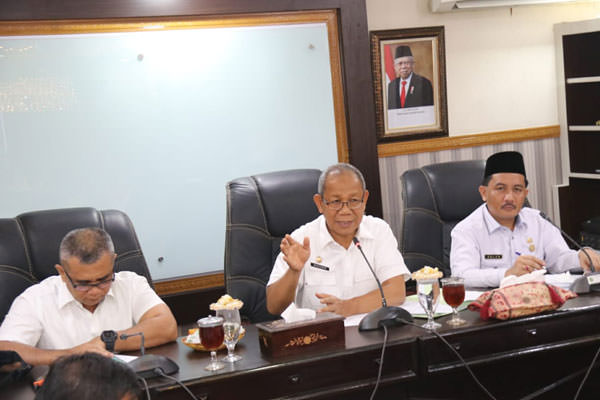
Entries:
{"x":517,"y":253}
{"x":324,"y":268}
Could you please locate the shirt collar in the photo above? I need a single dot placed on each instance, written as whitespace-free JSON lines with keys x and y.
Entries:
{"x":65,"y":297}
{"x":492,"y":224}
{"x":363,"y":232}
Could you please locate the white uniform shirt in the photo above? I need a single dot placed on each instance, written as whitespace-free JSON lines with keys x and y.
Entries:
{"x":348,"y":275}
{"x":482,"y":249}
{"x":48,"y":317}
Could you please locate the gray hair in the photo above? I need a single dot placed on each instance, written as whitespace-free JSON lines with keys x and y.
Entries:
{"x":338,"y":169}
{"x":86,"y":244}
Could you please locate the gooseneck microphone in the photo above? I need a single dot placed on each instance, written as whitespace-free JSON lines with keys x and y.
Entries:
{"x":386,"y":315}
{"x":547,"y":218}
{"x":359,"y":247}
{"x":150,"y":365}
{"x":589,"y":282}
{"x":125,"y":336}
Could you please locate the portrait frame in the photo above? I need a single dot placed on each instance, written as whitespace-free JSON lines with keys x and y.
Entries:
{"x":421,"y":111}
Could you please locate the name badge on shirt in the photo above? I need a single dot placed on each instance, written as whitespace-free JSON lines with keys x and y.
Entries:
{"x":493,"y":256}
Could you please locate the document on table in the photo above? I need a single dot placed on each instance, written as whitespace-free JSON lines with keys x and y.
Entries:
{"x":411,"y":304}
{"x":124,"y":358}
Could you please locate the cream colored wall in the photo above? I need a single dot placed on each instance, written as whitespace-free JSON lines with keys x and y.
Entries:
{"x":500,"y":62}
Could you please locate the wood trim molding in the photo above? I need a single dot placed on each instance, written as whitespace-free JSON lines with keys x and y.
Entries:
{"x":189,"y":283}
{"x":456,"y":142}
{"x":339,"y":110}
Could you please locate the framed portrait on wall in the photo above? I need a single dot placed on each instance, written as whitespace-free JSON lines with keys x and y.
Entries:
{"x":409,"y":75}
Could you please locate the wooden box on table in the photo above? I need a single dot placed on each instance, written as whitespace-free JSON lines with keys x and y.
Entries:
{"x":278,"y":338}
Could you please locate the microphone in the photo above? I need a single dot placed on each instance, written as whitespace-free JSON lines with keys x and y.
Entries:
{"x":585,"y":283}
{"x":150,"y":365}
{"x":125,"y":336}
{"x":386,"y":315}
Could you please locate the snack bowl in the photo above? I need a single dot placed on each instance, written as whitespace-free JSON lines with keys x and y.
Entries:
{"x":193,"y":339}
{"x":427,"y":274}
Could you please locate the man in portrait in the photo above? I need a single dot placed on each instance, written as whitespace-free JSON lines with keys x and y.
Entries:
{"x":408,"y":89}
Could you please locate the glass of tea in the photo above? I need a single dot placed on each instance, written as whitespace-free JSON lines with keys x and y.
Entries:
{"x":211,"y":337}
{"x":453,"y":290}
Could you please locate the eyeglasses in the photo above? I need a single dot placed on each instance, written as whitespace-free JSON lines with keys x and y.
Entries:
{"x":84,"y":287}
{"x":337,"y":205}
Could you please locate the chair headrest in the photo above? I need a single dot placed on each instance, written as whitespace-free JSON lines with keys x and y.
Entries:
{"x":287,"y":198}
{"x":451,"y":180}
{"x":45,"y":229}
{"x":277,"y":202}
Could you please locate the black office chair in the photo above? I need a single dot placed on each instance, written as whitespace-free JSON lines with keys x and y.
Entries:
{"x":261,"y":209}
{"x":434,"y":199}
{"x":29,"y":246}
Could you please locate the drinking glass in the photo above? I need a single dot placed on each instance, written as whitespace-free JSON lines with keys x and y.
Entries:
{"x":453,"y":290}
{"x":231,"y":327}
{"x":428,"y":292}
{"x":211,"y":337}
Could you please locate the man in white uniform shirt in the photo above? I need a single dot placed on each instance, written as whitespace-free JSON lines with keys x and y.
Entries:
{"x":67,"y":313}
{"x":319,"y":266}
{"x":502,"y":238}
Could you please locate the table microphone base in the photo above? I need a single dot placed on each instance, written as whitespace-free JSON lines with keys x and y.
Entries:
{"x":586,"y":283}
{"x":389,"y":316}
{"x":145,"y":365}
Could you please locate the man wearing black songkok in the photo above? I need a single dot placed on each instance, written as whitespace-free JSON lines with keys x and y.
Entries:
{"x":502,"y":238}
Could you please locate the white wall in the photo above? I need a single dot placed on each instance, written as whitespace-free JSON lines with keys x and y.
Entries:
{"x":500,"y":62}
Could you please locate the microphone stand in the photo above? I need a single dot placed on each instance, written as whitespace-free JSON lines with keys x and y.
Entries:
{"x":589,"y":281}
{"x":150,"y":365}
{"x":386,"y":315}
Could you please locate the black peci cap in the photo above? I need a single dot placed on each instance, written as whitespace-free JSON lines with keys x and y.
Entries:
{"x":506,"y":161}
{"x":403,"y":51}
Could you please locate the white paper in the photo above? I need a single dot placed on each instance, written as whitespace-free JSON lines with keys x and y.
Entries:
{"x":353,"y":320}
{"x":471,"y":295}
{"x":413,"y":306}
{"x":563,"y":280}
{"x":124,"y":358}
{"x":534,"y":276}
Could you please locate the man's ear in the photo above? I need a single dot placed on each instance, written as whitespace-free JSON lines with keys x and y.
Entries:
{"x":365,"y":197}
{"x":483,"y":192}
{"x":318,"y":202}
{"x":61,"y":271}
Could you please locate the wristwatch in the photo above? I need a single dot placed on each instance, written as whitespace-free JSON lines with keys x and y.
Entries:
{"x":109,"y":338}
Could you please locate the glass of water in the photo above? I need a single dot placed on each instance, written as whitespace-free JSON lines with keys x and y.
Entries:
{"x":428,"y":291}
{"x":231,"y":328}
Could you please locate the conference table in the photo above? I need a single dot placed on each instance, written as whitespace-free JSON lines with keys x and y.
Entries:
{"x":511,"y":359}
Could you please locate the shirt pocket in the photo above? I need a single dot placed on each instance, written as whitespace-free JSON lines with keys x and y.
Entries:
{"x":362,"y":274}
{"x":318,"y":281}
{"x":317,"y":277}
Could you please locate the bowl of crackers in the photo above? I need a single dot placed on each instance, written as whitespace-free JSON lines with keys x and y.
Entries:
{"x":427,"y":274}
